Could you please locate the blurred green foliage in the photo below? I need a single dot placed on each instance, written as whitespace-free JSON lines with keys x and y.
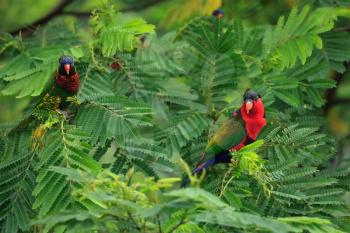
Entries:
{"x":17,"y":13}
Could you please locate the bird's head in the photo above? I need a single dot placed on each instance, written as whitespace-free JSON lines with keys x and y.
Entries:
{"x":218,"y":13}
{"x":252,"y":104}
{"x":143,"y":39}
{"x":66,"y":65}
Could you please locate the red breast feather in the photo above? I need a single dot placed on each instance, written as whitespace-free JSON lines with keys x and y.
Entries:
{"x":255,"y":120}
{"x":68,"y":83}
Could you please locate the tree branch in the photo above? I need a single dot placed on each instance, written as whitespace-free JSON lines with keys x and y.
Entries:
{"x":137,"y":7}
{"x":140,"y":6}
{"x":134,"y":221}
{"x":159,"y":224}
{"x":27,"y":30}
{"x":59,"y":10}
{"x":331,"y":99}
{"x":341,"y":101}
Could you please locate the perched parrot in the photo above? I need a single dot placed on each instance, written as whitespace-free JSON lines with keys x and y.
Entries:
{"x":218,"y":13}
{"x":65,"y":83}
{"x":241,"y":129}
{"x":143,"y":39}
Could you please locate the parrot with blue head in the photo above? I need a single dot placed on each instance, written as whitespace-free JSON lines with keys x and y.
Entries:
{"x":218,"y":13}
{"x":67,"y":82}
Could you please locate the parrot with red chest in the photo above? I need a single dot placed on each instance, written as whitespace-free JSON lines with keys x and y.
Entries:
{"x":66,"y":81}
{"x":240,"y":130}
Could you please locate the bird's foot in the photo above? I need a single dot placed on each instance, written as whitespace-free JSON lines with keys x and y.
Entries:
{"x":198,"y":169}
{"x":234,"y":162}
{"x":201,"y":160}
{"x":66,"y":115}
{"x":232,"y":149}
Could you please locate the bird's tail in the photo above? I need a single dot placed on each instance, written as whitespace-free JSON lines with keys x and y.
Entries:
{"x":203,"y":166}
{"x":23,"y":124}
{"x":199,"y":169}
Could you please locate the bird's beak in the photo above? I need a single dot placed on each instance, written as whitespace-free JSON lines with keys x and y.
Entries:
{"x":248,"y":105}
{"x":67,"y":68}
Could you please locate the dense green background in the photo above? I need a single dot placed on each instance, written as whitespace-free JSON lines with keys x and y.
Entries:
{"x":174,"y":94}
{"x":251,"y":12}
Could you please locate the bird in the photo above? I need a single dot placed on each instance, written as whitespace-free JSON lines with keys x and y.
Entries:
{"x":65,"y":83}
{"x":218,"y":13}
{"x":115,"y":65}
{"x":143,"y":41}
{"x":241,"y":129}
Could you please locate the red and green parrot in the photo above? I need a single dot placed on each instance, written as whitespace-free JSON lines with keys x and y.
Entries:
{"x":240,"y":130}
{"x":66,"y":81}
{"x":64,"y":84}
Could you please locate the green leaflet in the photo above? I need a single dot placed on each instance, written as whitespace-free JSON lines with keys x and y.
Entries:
{"x":185,"y":130}
{"x":17,"y":179}
{"x":93,"y":82}
{"x":28,"y":75}
{"x":67,"y":149}
{"x":336,"y":49}
{"x":215,"y":62}
{"x":107,"y":117}
{"x":295,"y":38}
{"x":288,"y":97}
{"x":228,"y":217}
{"x":116,"y":33}
{"x":310,"y":224}
{"x":31,"y":73}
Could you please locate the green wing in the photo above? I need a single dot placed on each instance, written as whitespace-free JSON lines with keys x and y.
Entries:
{"x":230,"y":134}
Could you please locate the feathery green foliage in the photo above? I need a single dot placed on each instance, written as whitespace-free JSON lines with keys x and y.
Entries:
{"x":65,"y":147}
{"x":17,"y":182}
{"x":115,"y":32}
{"x":115,"y":165}
{"x":295,"y":39}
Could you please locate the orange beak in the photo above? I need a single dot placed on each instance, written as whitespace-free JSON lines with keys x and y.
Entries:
{"x":248,"y":106}
{"x":67,"y":68}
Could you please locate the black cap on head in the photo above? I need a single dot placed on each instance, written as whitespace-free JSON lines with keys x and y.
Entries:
{"x":250,"y":95}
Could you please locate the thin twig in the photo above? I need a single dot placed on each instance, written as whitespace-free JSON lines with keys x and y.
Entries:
{"x":159,"y":224}
{"x":331,"y":93}
{"x":331,"y":101}
{"x":134,"y":221}
{"x":182,"y":221}
{"x":224,"y":187}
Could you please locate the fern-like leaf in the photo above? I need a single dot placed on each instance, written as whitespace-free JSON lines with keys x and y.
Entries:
{"x":64,"y":147}
{"x":294,"y":39}
{"x":116,"y":32}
